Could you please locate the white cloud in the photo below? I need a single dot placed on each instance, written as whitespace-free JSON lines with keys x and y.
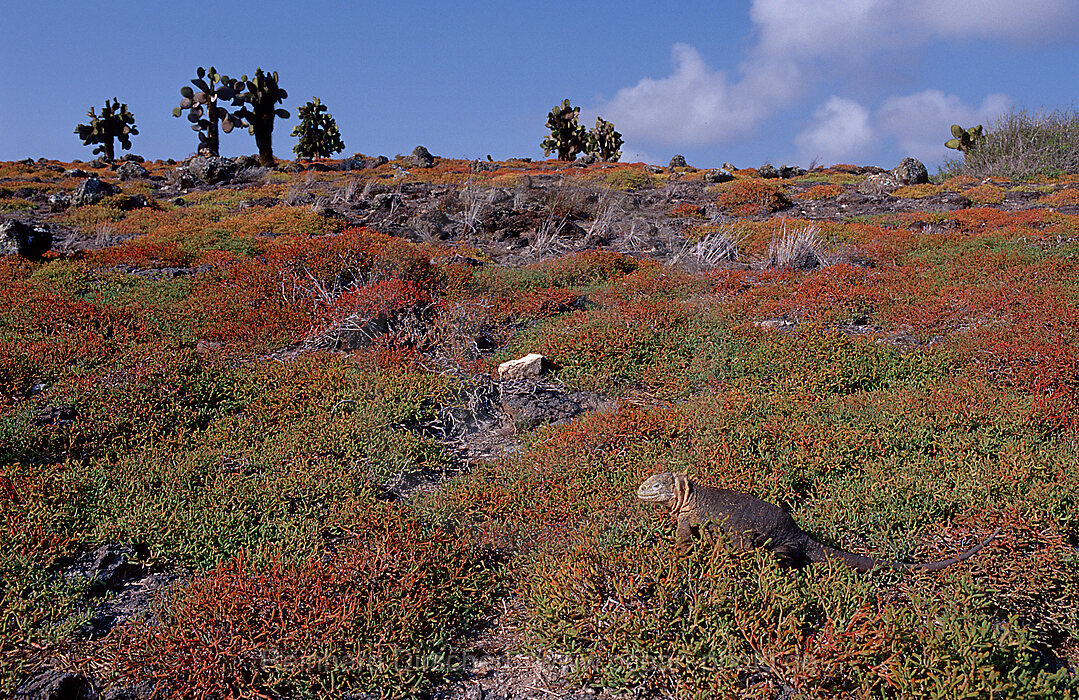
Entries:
{"x":693,"y":105}
{"x":821,"y":28}
{"x":632,"y":155}
{"x":1027,"y":21}
{"x":920,"y":123}
{"x":841,"y":132}
{"x":799,"y":40}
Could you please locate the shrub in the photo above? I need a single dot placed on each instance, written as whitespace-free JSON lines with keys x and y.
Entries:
{"x":587,"y":268}
{"x":1063,"y":198}
{"x":752,"y":196}
{"x":1021,"y":145}
{"x":383,"y":613}
{"x":686,"y":210}
{"x":917,"y":191}
{"x":984,"y":194}
{"x":627,"y":179}
{"x":820,"y":192}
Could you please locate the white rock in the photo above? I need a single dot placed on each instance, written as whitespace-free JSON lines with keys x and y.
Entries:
{"x":528,"y":367}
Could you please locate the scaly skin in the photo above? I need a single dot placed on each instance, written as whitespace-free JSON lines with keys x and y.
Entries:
{"x":750,"y":523}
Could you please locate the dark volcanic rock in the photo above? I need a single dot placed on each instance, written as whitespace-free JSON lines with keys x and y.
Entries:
{"x":56,"y":415}
{"x":678,"y":161}
{"x":718,"y":175}
{"x":25,"y":240}
{"x":50,"y":684}
{"x":420,"y":158}
{"x":131,"y":170}
{"x":910,"y":171}
{"x":91,"y":191}
{"x":358,"y":162}
{"x":205,"y":170}
{"x":108,"y":567}
{"x":431,"y":224}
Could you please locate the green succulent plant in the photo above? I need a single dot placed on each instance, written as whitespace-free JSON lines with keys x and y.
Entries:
{"x":604,"y":141}
{"x":206,"y":109}
{"x":317,"y":132}
{"x":965,"y":139}
{"x":567,"y":137}
{"x":259,"y":99}
{"x":114,"y":122}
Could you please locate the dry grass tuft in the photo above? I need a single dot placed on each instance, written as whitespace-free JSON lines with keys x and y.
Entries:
{"x":796,"y":248}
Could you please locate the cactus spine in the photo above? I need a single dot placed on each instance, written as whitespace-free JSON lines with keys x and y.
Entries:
{"x":965,"y":139}
{"x":567,"y":137}
{"x":317,"y":131}
{"x":259,"y":110}
{"x":604,"y":141}
{"x":114,"y":123}
{"x":205,"y":110}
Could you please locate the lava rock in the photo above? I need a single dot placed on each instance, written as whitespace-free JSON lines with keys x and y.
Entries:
{"x":205,"y":170}
{"x":108,"y":567}
{"x":678,"y":161}
{"x":54,"y":685}
{"x":358,"y":162}
{"x":132,"y":202}
{"x":910,"y":171}
{"x":879,"y":184}
{"x":131,"y":170}
{"x":788,"y":171}
{"x":385,"y":200}
{"x":56,"y":415}
{"x":718,"y":175}
{"x":91,"y":191}
{"x":59,"y":200}
{"x":431,"y":224}
{"x":29,"y":241}
{"x":768,"y":171}
{"x":420,"y":158}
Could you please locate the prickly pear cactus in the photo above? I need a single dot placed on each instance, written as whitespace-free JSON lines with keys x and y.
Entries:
{"x":567,"y":137}
{"x":965,"y":139}
{"x":208,"y":108}
{"x":317,"y":131}
{"x":115,"y":122}
{"x":605,"y":142}
{"x":260,"y":99}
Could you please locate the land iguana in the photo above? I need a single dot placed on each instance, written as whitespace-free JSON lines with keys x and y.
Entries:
{"x":750,"y":523}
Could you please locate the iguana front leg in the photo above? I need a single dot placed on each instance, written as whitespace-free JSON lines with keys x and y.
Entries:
{"x":683,"y":535}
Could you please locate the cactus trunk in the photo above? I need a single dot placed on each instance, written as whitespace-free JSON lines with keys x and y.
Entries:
{"x":212,"y":143}
{"x":264,"y":140}
{"x":110,"y":153}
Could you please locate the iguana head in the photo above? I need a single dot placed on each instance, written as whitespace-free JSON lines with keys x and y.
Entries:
{"x":663,"y":488}
{"x":658,"y":488}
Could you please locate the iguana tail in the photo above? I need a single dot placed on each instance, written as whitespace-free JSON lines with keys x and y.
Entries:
{"x":816,"y":551}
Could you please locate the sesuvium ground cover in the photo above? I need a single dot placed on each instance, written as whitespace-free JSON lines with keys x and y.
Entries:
{"x":235,"y":385}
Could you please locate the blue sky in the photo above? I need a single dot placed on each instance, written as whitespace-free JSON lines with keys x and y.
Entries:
{"x":782,"y":81}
